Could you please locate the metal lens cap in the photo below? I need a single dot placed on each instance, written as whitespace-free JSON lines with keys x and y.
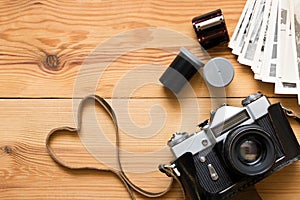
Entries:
{"x":218,"y":72}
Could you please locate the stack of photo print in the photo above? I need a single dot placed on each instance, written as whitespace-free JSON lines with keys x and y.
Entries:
{"x":267,"y":38}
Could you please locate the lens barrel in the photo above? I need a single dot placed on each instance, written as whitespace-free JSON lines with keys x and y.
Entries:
{"x":249,"y":150}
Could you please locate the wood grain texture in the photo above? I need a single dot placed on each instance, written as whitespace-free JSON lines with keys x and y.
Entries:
{"x":44,"y":45}
{"x":27,"y":171}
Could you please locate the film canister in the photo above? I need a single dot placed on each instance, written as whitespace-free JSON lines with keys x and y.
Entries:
{"x":181,"y":70}
{"x":217,"y":72}
{"x":210,"y":29}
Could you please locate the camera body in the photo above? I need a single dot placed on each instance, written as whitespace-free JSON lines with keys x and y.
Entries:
{"x":239,"y":147}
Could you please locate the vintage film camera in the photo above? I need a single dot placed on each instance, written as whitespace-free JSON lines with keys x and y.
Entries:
{"x":239,"y":147}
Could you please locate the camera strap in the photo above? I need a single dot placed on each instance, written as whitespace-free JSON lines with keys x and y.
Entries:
{"x":129,"y":185}
{"x":292,"y":114}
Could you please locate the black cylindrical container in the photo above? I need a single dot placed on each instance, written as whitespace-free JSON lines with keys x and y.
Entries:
{"x":181,"y":70}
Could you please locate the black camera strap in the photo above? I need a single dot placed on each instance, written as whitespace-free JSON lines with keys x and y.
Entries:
{"x":129,"y":185}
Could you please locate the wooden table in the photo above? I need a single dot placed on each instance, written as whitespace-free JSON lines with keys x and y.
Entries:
{"x":43,"y":46}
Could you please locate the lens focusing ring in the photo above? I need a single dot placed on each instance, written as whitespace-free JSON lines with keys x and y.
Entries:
{"x":242,"y":160}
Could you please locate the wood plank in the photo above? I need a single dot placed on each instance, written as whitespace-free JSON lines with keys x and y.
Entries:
{"x":44,"y":48}
{"x":27,"y":171}
{"x":44,"y":44}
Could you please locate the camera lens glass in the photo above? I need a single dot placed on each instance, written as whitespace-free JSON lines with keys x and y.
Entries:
{"x":250,"y":151}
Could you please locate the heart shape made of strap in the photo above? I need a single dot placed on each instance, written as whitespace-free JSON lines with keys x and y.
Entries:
{"x":129,"y":185}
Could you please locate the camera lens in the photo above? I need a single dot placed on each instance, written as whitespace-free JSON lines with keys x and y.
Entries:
{"x":249,"y":150}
